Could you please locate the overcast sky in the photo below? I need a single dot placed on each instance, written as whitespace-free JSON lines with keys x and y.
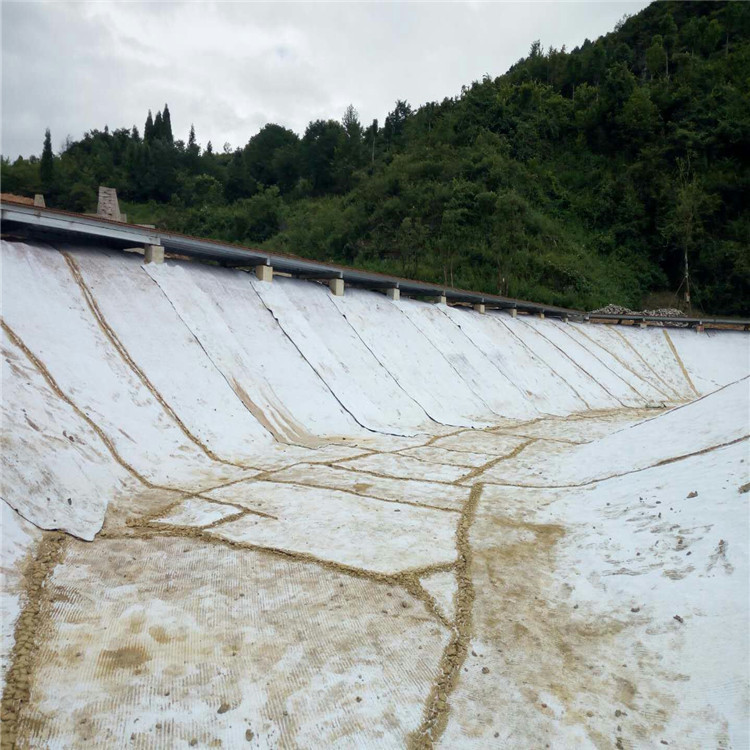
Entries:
{"x":229,"y":68}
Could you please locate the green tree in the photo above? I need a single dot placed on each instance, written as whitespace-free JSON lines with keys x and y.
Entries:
{"x":271,"y":156}
{"x":47,"y":164}
{"x":655,"y":56}
{"x":148,"y":129}
{"x":167,"y":126}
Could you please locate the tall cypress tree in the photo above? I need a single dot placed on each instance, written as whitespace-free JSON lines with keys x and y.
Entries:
{"x":148,"y":129}
{"x":47,"y":164}
{"x":167,"y":126}
{"x":158,"y":127}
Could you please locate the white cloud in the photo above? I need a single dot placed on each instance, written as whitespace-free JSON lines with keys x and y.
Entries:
{"x":231,"y":67}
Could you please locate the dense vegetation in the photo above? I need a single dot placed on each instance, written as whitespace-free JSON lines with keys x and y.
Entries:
{"x":579,"y":177}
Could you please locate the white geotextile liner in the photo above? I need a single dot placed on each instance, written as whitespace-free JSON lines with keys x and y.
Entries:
{"x":169,"y":355}
{"x":369,"y":392}
{"x":544,"y":389}
{"x":442,"y":587}
{"x":167,"y":643}
{"x":414,"y":361}
{"x":489,"y":383}
{"x":244,"y":341}
{"x":616,"y":373}
{"x":46,"y":309}
{"x":712,"y":358}
{"x":54,"y":468}
{"x":571,"y":349}
{"x":635,"y":360}
{"x":587,"y":388}
{"x":386,"y":488}
{"x":652,"y":344}
{"x":588,"y":646}
{"x":716,"y":419}
{"x":359,"y":532}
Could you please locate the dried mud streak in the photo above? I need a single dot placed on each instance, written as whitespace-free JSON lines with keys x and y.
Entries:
{"x":44,"y":372}
{"x":28,"y":634}
{"x":615,"y":357}
{"x":676,"y":395}
{"x":265,"y":475}
{"x":414,"y":586}
{"x":264,"y":424}
{"x":663,"y":462}
{"x":93,"y":305}
{"x":680,"y":362}
{"x":576,"y":417}
{"x":401,"y":452}
{"x":435,"y":438}
{"x":296,"y":436}
{"x":442,"y":482}
{"x":364,"y":495}
{"x":562,"y":441}
{"x":435,"y":717}
{"x":544,"y":362}
{"x":476,"y":473}
{"x":576,"y":364}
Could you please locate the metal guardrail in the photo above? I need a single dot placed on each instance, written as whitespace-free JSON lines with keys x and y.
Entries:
{"x":54,"y":223}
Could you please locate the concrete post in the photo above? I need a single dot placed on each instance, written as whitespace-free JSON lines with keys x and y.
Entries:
{"x":541,"y":316}
{"x":700,"y":328}
{"x":513,"y":312}
{"x":264,"y":273}
{"x":441,"y":300}
{"x":337,"y":287}
{"x":154,"y":254}
{"x":479,"y":308}
{"x":394,"y":294}
{"x":566,"y":319}
{"x":642,"y":324}
{"x":39,"y":201}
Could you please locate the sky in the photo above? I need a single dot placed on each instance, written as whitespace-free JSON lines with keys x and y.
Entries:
{"x":231,"y":67}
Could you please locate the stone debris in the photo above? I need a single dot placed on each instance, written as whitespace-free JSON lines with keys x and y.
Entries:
{"x":660,"y":312}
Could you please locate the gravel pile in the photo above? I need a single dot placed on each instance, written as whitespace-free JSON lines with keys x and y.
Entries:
{"x":662,"y":312}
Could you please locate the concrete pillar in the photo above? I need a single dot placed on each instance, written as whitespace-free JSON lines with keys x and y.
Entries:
{"x":39,"y":201}
{"x":479,"y":308}
{"x":513,"y":312}
{"x":264,"y":273}
{"x":642,"y":324}
{"x":441,"y":300}
{"x":337,"y":287}
{"x":394,"y":294}
{"x":700,"y":328}
{"x":541,"y":316}
{"x":566,"y":319}
{"x":154,"y":254}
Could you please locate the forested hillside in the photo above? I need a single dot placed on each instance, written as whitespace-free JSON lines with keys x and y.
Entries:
{"x":579,"y":177}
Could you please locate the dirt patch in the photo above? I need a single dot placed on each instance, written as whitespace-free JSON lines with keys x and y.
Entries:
{"x":31,"y":628}
{"x":127,"y":657}
{"x":436,"y":710}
